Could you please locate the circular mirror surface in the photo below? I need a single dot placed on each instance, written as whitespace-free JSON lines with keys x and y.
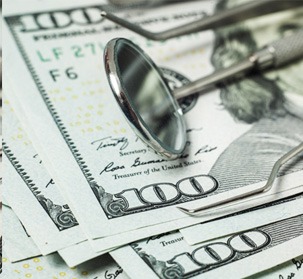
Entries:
{"x":146,"y":99}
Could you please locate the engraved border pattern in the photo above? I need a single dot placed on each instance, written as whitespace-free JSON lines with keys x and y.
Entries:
{"x":62,"y":216}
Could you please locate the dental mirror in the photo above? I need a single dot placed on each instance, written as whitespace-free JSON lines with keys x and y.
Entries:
{"x":145,"y":98}
{"x":149,"y":105}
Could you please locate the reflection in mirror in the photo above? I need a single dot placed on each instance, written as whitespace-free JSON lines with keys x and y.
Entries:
{"x":149,"y":97}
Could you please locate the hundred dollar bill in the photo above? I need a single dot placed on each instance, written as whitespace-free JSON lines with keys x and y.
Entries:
{"x":254,"y":217}
{"x":58,"y":49}
{"x":236,"y":256}
{"x":69,"y":253}
{"x":82,"y":252}
{"x":32,"y":193}
{"x":18,"y":246}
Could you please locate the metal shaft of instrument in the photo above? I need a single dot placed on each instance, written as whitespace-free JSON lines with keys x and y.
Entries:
{"x":274,"y":55}
{"x":141,"y":3}
{"x":208,"y":82}
{"x":226,"y":17}
{"x":285,"y":158}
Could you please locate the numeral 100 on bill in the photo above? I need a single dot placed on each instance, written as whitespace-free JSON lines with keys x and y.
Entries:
{"x":161,"y":194}
{"x":212,"y":255}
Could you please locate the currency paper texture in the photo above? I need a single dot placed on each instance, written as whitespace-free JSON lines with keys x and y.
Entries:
{"x":52,"y":266}
{"x":66,"y":98}
{"x":17,"y":243}
{"x":289,"y":269}
{"x":19,"y":247}
{"x":236,"y":256}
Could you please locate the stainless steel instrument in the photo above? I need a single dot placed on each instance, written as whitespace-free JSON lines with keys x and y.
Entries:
{"x":239,"y":13}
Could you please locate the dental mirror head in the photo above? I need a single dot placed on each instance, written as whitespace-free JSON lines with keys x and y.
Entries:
{"x":145,"y":98}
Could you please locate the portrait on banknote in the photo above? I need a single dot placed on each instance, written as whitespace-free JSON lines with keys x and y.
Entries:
{"x":260,"y":100}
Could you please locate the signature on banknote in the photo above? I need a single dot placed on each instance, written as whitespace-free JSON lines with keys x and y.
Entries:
{"x":113,"y":275}
{"x":111,"y":168}
{"x":110,"y":141}
{"x":299,"y":264}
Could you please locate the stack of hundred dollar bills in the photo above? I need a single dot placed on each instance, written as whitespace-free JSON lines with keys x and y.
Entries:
{"x":84,"y":198}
